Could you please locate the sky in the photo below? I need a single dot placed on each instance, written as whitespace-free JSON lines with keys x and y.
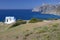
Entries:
{"x":24,"y":4}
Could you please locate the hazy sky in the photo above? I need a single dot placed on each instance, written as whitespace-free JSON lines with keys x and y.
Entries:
{"x":24,"y":4}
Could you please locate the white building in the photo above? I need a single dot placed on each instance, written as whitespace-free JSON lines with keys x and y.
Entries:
{"x":9,"y":20}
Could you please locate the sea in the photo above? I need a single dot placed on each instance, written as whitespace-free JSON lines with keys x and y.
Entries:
{"x":24,"y":14}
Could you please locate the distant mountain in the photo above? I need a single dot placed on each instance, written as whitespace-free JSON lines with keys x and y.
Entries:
{"x":48,"y":9}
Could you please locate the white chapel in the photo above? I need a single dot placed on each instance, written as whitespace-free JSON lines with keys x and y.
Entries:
{"x":9,"y":20}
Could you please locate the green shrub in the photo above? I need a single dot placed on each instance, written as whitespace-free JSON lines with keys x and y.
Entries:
{"x":18,"y":22}
{"x":34,"y":20}
{"x":56,"y":18}
{"x":55,"y":25}
{"x":52,"y":19}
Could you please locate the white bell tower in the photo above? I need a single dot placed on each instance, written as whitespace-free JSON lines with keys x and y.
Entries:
{"x":9,"y":20}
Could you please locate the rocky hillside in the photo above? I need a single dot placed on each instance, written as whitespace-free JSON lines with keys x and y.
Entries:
{"x":46,"y":30}
{"x":48,"y":9}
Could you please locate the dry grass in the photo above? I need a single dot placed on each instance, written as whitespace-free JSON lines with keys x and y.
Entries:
{"x":31,"y":31}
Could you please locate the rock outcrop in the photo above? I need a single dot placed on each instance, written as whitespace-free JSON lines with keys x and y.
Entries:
{"x":48,"y":9}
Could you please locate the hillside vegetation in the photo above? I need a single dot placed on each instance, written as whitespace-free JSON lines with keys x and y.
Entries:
{"x":49,"y":30}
